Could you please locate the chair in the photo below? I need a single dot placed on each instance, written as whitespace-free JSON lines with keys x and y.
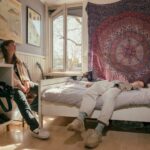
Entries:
{"x":41,"y":69}
{"x":25,"y":65}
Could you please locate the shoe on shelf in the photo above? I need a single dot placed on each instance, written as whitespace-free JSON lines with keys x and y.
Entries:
{"x":76,"y":125}
{"x":92,"y":138}
{"x":40,"y":133}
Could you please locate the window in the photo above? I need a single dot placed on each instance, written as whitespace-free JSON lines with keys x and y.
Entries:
{"x":58,"y":42}
{"x":67,"y":39}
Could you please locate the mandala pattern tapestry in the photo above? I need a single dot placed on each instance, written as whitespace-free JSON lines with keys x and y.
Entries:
{"x":119,"y":40}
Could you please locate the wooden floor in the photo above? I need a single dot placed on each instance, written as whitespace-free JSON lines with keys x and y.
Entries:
{"x":19,"y":138}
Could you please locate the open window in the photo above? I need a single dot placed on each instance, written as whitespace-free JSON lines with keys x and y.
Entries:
{"x":66,"y":29}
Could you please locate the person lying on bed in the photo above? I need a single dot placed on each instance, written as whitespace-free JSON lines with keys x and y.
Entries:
{"x":22,"y":85}
{"x":108,"y":91}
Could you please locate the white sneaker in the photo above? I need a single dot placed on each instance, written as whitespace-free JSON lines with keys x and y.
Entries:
{"x":76,"y":125}
{"x":40,"y":133}
{"x":92,"y":138}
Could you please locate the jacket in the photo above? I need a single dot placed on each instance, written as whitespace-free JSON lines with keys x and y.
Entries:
{"x":102,"y":86}
{"x":22,"y":74}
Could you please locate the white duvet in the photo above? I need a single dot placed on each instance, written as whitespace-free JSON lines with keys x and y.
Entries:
{"x":71,"y":94}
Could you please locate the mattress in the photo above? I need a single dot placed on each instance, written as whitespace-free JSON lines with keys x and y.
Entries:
{"x":72,"y":92}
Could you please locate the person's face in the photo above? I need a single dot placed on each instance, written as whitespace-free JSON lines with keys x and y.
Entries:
{"x":11,"y":48}
{"x":138,"y":84}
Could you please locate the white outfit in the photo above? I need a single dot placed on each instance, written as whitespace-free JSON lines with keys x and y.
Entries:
{"x":109,"y":92}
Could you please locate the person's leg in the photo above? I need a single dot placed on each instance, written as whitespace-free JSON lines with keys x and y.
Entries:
{"x":109,"y":101}
{"x":86,"y":108}
{"x":34,"y":91}
{"x":21,"y":101}
{"x":89,"y":99}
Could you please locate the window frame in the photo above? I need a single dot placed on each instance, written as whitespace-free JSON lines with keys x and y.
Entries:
{"x":63,"y":10}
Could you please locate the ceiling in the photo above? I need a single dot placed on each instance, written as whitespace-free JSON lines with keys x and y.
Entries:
{"x":59,"y":2}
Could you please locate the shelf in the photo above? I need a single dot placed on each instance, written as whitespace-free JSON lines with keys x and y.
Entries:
{"x":6,"y":75}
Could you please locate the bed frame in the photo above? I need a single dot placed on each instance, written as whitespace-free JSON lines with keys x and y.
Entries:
{"x":139,"y":114}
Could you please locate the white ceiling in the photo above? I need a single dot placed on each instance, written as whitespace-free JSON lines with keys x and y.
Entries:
{"x":59,"y":2}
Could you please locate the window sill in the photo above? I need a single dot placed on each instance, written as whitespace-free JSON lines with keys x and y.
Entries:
{"x":64,"y":74}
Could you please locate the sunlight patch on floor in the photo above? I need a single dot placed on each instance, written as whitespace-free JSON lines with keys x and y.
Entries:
{"x":10,"y":147}
{"x":48,"y":120}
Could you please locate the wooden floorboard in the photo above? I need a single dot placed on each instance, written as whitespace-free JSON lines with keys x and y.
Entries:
{"x":19,"y":138}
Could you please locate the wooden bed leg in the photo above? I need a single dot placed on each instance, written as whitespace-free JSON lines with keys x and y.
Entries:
{"x":40,"y":106}
{"x":23,"y":122}
{"x":7,"y":128}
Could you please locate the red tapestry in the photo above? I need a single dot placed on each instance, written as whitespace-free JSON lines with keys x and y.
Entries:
{"x":120,"y":41}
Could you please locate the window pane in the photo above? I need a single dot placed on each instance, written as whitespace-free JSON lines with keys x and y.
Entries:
{"x":58,"y":38}
{"x":74,"y":42}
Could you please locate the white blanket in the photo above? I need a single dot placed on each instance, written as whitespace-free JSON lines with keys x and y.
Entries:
{"x":71,"y":94}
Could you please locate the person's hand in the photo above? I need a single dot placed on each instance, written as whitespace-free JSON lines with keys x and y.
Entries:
{"x":27,"y":86}
{"x":23,"y":89}
{"x":88,"y":85}
{"x":137,"y":84}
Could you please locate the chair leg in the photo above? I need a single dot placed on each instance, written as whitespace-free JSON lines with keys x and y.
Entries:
{"x":23,"y":122}
{"x":7,"y":128}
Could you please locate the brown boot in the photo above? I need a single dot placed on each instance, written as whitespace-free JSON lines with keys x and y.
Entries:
{"x":76,"y":125}
{"x":92,"y":138}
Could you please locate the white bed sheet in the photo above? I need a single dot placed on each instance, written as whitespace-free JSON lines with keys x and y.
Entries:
{"x":71,"y":94}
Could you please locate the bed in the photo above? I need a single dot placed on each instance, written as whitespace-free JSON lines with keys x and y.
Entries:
{"x":62,"y":97}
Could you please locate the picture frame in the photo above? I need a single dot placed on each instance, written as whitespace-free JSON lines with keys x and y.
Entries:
{"x":33,"y":27}
{"x":11,"y":20}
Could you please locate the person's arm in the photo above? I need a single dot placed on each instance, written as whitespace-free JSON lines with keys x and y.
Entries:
{"x":23,"y":76}
{"x":25,"y":81}
{"x":22,"y":72}
{"x":89,"y":84}
{"x":18,"y":84}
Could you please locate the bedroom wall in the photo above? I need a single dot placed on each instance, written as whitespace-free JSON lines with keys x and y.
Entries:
{"x":38,"y":7}
{"x":28,"y":53}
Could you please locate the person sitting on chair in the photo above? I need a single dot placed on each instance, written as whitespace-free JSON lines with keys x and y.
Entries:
{"x":22,"y":86}
{"x":108,"y":91}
